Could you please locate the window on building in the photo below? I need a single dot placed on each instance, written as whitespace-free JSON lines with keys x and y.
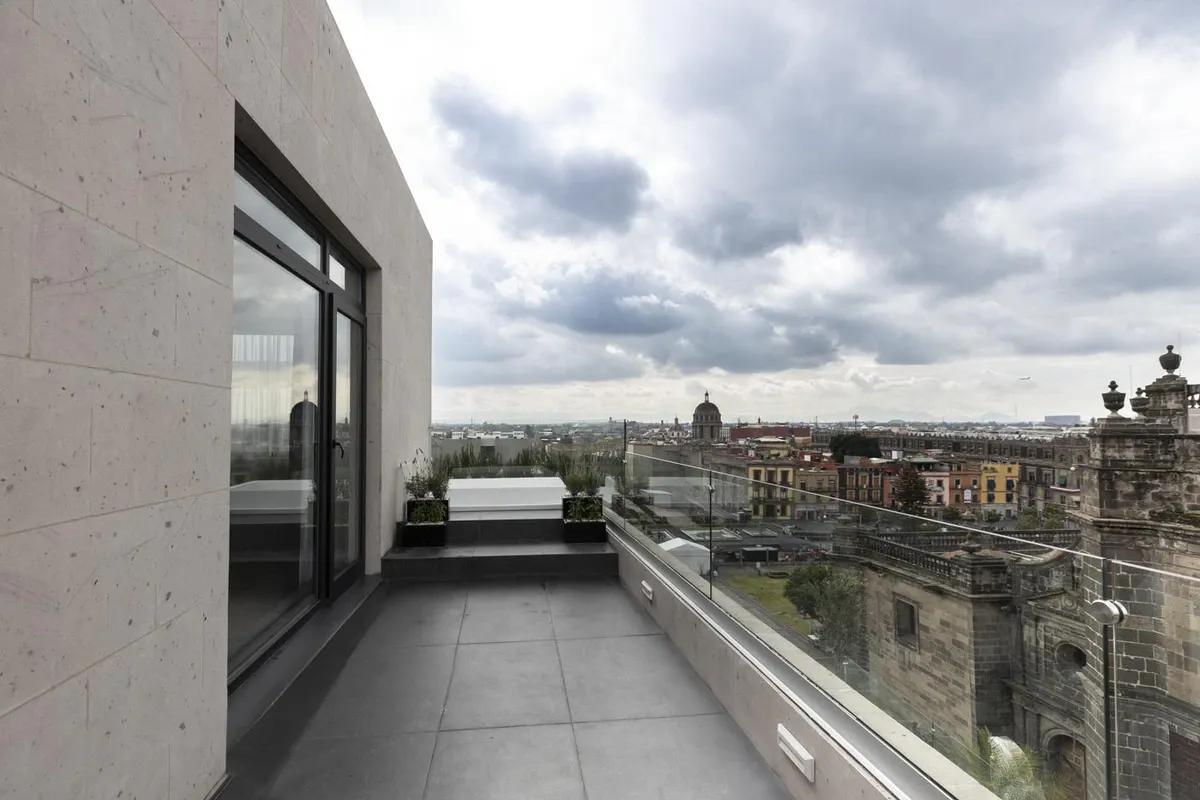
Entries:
{"x":906,"y":623}
{"x":1069,"y":657}
{"x":1008,"y":498}
{"x":991,"y":498}
{"x":758,"y":474}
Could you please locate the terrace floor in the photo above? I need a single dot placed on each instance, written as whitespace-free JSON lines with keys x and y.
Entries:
{"x":559,"y":688}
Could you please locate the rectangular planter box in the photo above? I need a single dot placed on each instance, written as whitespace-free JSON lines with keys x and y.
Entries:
{"x":578,"y":531}
{"x":422,"y":534}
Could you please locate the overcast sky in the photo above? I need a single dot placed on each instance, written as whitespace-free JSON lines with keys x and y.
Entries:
{"x":809,"y":209}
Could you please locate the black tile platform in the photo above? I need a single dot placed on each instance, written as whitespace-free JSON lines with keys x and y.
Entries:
{"x":475,"y":561}
{"x":522,"y":688}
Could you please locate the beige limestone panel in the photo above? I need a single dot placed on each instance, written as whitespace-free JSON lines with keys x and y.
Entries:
{"x":301,"y":140}
{"x":331,"y":73}
{"x":266,"y":17}
{"x":299,"y":49}
{"x":127,"y":732}
{"x":195,"y":21}
{"x":43,"y":110}
{"x":102,"y":32}
{"x":19,"y":208}
{"x":99,"y":298}
{"x":248,"y":68}
{"x":307,"y":12}
{"x":195,"y":555}
{"x":43,"y":745}
{"x":185,"y":165}
{"x":204,"y":325}
{"x":45,"y":434}
{"x":119,"y":122}
{"x":193,"y":708}
{"x":154,"y":440}
{"x":73,"y":593}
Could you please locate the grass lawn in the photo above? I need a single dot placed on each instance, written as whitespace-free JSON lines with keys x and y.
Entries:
{"x":768,"y":593}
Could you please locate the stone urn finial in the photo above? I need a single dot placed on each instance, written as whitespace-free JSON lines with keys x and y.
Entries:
{"x":1140,"y":403}
{"x":1114,"y":401}
{"x":971,"y":545}
{"x":1170,"y":360}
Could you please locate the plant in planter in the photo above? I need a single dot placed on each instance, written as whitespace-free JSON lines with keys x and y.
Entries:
{"x":583,"y":511}
{"x":427,"y":508}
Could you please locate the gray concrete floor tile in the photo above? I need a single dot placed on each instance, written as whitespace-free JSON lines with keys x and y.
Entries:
{"x":391,"y":768}
{"x":525,"y":763}
{"x":507,"y":611}
{"x":644,"y":720}
{"x":423,"y":615}
{"x":631,"y":677}
{"x":676,"y":758}
{"x":583,"y":609}
{"x":513,"y":683}
{"x":401,"y":692}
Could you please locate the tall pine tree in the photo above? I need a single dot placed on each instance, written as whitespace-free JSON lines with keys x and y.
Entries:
{"x":910,"y":494}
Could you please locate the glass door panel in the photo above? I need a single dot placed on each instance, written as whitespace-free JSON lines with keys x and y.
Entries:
{"x":346,"y":453}
{"x":273,"y":496}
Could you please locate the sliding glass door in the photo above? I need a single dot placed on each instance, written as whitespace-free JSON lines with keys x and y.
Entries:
{"x":296,"y":416}
{"x":346,"y":458}
{"x":274,"y":465}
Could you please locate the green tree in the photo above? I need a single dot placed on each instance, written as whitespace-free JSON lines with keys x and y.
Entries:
{"x":834,"y":598}
{"x":1054,"y":518}
{"x":1028,"y":520}
{"x":952,"y":514}
{"x":909,"y":493}
{"x":1014,"y":773}
{"x":805,"y":585}
{"x":853,"y":444}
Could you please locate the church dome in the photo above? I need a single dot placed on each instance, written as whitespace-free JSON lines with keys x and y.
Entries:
{"x":706,"y":407}
{"x":706,"y":421}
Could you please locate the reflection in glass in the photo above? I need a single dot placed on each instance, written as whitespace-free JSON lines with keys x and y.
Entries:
{"x":337,"y":272}
{"x":265,"y":213}
{"x":273,"y":468}
{"x":348,"y":278}
{"x":347,"y":502}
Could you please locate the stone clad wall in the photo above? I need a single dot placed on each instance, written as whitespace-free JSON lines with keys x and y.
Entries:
{"x":1141,"y":506}
{"x":117,"y":128}
{"x":934,"y":683}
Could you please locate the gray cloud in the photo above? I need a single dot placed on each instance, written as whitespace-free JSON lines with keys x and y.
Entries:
{"x":733,"y":229}
{"x":607,"y":303}
{"x":572,"y":192}
{"x":686,"y":330}
{"x":876,"y":126}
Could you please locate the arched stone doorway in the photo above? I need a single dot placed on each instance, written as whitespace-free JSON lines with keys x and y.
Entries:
{"x":1066,"y":761}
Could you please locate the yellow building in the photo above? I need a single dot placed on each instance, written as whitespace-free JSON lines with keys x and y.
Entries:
{"x":998,"y":488}
{"x":768,"y":497}
{"x":783,"y":490}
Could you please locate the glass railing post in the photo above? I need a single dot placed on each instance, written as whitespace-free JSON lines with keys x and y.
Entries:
{"x":711,"y":551}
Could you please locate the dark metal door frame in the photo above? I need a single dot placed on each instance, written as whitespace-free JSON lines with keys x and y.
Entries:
{"x":333,"y":300}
